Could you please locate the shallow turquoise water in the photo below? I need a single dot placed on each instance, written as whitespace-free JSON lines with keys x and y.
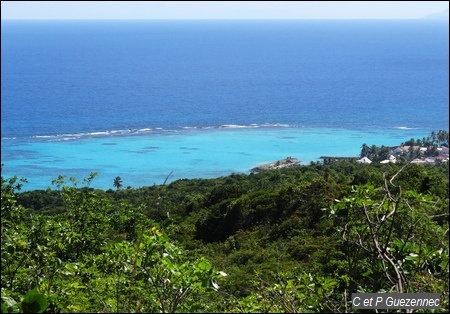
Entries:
{"x":144,"y":160}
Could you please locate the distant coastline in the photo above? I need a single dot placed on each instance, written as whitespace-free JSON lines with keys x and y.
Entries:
{"x":442,"y":16}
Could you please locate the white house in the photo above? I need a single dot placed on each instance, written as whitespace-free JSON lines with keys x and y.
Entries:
{"x":443,"y":150}
{"x":391,"y":159}
{"x":364,"y":160}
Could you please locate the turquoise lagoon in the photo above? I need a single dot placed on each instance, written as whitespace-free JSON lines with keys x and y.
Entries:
{"x":147,"y":159}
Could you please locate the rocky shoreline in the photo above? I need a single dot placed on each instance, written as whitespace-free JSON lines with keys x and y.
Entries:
{"x":288,"y":162}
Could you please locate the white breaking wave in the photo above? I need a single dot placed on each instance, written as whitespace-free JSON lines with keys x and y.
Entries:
{"x":127,"y":132}
{"x":236,"y":126}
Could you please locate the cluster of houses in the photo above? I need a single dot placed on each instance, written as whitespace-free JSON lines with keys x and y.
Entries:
{"x":441,"y":155}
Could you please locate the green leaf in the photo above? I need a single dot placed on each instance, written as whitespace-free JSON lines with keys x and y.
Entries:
{"x":367,"y":273}
{"x":76,"y":285}
{"x":10,"y":306}
{"x":34,"y":302}
{"x":10,"y":309}
{"x":203,"y":265}
{"x":206,"y":283}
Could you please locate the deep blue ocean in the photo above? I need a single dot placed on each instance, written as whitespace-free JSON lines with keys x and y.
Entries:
{"x":139,"y":99}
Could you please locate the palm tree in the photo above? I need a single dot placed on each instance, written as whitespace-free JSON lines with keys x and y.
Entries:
{"x":365,"y":151}
{"x":442,"y":137}
{"x":434,"y":138}
{"x":384,"y":152}
{"x":117,"y":183}
{"x":374,"y":152}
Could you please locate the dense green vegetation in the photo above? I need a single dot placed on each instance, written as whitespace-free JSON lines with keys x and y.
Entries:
{"x":290,"y":240}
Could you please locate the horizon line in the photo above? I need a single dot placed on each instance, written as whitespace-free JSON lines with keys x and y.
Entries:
{"x":214,"y":19}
